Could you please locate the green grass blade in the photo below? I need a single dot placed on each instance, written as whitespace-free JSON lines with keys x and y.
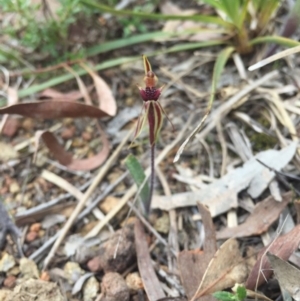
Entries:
{"x":256,"y":4}
{"x":218,"y":69}
{"x":215,"y":3}
{"x":149,"y":16}
{"x":63,"y":78}
{"x":266,"y":10}
{"x":231,"y":8}
{"x":124,"y":42}
{"x":141,"y":38}
{"x":243,"y":14}
{"x":191,"y":46}
{"x":275,"y":39}
{"x":112,"y":63}
{"x":138,"y":175}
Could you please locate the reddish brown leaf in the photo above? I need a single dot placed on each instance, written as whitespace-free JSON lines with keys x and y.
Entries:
{"x":263,"y":216}
{"x":53,"y":109}
{"x":67,"y":159}
{"x":54,"y":94}
{"x":150,"y":280}
{"x":210,"y":243}
{"x":193,"y":264}
{"x":62,"y":109}
{"x":226,"y":268}
{"x":283,"y":247}
{"x":83,"y":89}
{"x":11,"y":126}
{"x":106,"y":98}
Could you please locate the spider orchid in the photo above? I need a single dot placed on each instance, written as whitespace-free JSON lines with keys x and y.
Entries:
{"x":153,"y":112}
{"x":152,"y":109}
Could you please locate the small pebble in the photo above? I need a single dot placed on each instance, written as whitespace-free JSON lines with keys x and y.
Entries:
{"x":28,"y":268}
{"x":35,"y":227}
{"x":15,"y":271}
{"x":162,"y":224}
{"x":94,"y":265}
{"x":114,"y":288}
{"x":31,"y":236}
{"x":10,"y":281}
{"x":77,"y":142}
{"x":68,"y":133}
{"x":6,"y":262}
{"x":45,"y":276}
{"x":41,"y":233}
{"x":134,"y":282}
{"x":14,"y":187}
{"x":28,"y":124}
{"x":73,"y":271}
{"x":90,"y":289}
{"x":86,"y":136}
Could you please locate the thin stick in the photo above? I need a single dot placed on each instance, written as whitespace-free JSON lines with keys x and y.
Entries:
{"x":85,"y":198}
{"x":274,"y":57}
{"x":225,"y":108}
{"x":133,"y":189}
{"x":173,"y":233}
{"x":47,"y":69}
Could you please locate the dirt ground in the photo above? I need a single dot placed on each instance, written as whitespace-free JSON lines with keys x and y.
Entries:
{"x":224,"y":216}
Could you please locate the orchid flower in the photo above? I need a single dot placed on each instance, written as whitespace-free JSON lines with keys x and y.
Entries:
{"x":152,"y":109}
{"x":153,"y":112}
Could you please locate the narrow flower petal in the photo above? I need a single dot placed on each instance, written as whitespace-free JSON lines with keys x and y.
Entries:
{"x":141,"y":120}
{"x":165,"y":114}
{"x":147,"y":65}
{"x":155,"y":118}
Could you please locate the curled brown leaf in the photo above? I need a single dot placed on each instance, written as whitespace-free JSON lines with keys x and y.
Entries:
{"x":66,"y":158}
{"x":53,"y":110}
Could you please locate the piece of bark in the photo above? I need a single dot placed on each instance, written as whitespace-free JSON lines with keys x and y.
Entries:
{"x":151,"y":283}
{"x":287,"y":275}
{"x":297,"y":207}
{"x":226,"y":268}
{"x":210,"y":242}
{"x":263,"y":216}
{"x":283,"y":247}
{"x":193,"y":264}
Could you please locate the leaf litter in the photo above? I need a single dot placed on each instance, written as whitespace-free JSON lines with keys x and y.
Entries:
{"x":287,"y":275}
{"x":221,"y":194}
{"x":44,"y":205}
{"x":265,"y":213}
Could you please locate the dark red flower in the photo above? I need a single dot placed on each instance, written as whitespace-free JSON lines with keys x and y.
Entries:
{"x":152,"y":110}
